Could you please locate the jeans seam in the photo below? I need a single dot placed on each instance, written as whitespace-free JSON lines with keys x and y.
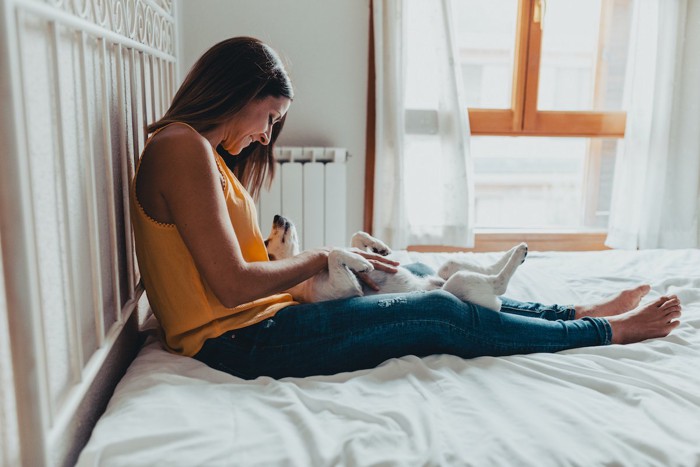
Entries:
{"x":473,"y":336}
{"x":373,"y":328}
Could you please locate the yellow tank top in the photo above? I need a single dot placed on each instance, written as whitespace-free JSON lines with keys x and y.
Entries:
{"x":186,"y":308}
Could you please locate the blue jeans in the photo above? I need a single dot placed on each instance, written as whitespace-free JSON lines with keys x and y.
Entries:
{"x":362,"y":332}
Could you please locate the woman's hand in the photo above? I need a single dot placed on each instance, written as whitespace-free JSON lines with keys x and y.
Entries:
{"x":379,"y":262}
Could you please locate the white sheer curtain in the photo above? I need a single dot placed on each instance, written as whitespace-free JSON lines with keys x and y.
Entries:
{"x":423,"y":190}
{"x":655,"y":200}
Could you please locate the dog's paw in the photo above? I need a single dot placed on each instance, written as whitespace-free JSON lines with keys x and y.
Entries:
{"x":448,"y":269}
{"x":358,"y":264}
{"x":521,"y":252}
{"x":366,"y":242}
{"x":381,"y":249}
{"x":350,"y":260}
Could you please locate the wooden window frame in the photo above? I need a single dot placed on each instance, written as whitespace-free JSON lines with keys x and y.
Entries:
{"x":522,"y":119}
{"x":536,"y":241}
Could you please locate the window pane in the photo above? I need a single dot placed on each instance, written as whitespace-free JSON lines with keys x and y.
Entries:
{"x":542,"y":183}
{"x":584,"y":54}
{"x":485,"y":35}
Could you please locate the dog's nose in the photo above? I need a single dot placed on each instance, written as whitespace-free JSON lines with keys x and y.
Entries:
{"x":279,"y":221}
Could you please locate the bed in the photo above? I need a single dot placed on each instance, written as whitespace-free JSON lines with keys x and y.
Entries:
{"x":85,"y":78}
{"x":637,"y":404}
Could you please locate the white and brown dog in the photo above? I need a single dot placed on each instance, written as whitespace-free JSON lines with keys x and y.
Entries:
{"x":467,"y":281}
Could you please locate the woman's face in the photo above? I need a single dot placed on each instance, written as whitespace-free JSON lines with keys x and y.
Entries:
{"x":254,"y":123}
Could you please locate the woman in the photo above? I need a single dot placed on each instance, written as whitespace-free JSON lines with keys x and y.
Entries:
{"x":219,"y":299}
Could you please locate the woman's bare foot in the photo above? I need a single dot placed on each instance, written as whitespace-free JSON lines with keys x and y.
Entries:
{"x":622,"y":302}
{"x":655,"y":319}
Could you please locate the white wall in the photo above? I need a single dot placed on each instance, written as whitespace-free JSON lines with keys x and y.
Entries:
{"x":324,"y":44}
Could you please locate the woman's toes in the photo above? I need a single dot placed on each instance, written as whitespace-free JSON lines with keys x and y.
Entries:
{"x":670,"y":303}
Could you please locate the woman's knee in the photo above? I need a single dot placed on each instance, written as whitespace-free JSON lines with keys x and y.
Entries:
{"x":443,"y":306}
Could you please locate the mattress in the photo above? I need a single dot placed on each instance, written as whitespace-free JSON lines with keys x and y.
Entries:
{"x":635,"y":404}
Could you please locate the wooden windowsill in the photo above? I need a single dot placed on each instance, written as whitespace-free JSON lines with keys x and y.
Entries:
{"x":501,"y":240}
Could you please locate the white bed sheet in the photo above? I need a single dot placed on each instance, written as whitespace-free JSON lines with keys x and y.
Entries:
{"x":635,"y":405}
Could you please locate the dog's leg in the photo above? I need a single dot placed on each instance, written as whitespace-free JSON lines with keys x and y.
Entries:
{"x":452,"y":266}
{"x":501,"y":280}
{"x":474,"y":288}
{"x":482,"y":289}
{"x":342,"y":282}
{"x":366,"y":242}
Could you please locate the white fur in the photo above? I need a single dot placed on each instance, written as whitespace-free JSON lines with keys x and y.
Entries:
{"x":467,"y":281}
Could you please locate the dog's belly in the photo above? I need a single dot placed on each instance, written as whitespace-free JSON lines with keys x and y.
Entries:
{"x":321,"y":288}
{"x":401,"y":282}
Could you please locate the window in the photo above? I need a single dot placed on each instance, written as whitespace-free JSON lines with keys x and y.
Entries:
{"x":544,"y":82}
{"x":539,"y":183}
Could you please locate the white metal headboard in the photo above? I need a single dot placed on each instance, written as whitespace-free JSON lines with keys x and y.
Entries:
{"x":79,"y":81}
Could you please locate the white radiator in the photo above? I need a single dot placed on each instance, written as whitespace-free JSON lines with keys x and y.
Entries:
{"x":310,"y":189}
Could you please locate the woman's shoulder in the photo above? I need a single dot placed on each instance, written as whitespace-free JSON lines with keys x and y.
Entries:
{"x":178,"y":138}
{"x":178,"y":154}
{"x":179,"y":147}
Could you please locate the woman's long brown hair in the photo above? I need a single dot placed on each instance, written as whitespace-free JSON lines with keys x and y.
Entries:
{"x":227,"y":77}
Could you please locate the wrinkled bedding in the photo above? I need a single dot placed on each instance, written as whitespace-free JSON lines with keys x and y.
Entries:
{"x":637,"y":404}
